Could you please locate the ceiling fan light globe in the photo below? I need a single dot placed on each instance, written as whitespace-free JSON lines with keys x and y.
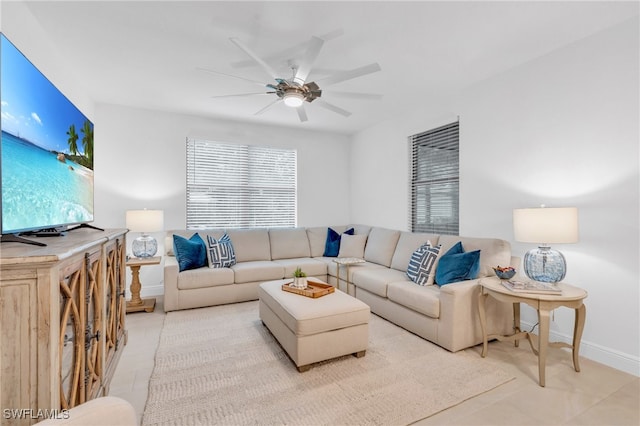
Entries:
{"x":293,"y":100}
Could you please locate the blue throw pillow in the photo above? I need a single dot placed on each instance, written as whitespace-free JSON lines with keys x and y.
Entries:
{"x":220,"y":252}
{"x":332,"y":246}
{"x":456,"y":265}
{"x":456,"y":249}
{"x":191,"y":253}
{"x":420,"y":267}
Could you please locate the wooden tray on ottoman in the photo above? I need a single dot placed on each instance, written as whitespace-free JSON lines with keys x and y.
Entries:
{"x":314,"y":289}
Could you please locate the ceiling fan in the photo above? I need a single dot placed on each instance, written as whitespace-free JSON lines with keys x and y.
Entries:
{"x":297,"y":90}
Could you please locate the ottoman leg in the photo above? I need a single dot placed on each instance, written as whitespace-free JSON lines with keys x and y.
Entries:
{"x":304,"y":368}
{"x":360,"y":354}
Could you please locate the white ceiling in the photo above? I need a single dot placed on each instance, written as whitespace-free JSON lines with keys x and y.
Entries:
{"x":146,"y":53}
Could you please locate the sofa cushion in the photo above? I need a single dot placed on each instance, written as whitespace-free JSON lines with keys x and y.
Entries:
{"x":190,"y":253}
{"x":360,"y":229}
{"x":332,"y":244}
{"x":376,"y":279}
{"x":318,"y":238}
{"x":205,"y":277}
{"x":220,"y":253}
{"x":493,"y":251}
{"x":421,"y":268}
{"x":423,"y":299}
{"x":257,"y":270}
{"x":250,"y":244}
{"x":352,"y":246}
{"x":311,"y":267}
{"x":289,"y":243}
{"x":457,"y":265}
{"x":332,"y":267}
{"x":381,"y":244}
{"x":407,"y":244}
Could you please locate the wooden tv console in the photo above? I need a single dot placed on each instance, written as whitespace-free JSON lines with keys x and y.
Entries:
{"x":62,"y":322}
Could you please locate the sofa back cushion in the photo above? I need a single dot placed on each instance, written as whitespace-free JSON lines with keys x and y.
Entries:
{"x":318,"y":238}
{"x":493,"y":251}
{"x":358,"y":229}
{"x":250,"y":244}
{"x":381,"y":245}
{"x":289,"y":243}
{"x":407,"y":244}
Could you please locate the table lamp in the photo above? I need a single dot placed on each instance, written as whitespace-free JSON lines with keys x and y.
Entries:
{"x":145,"y":221}
{"x":545,"y":226}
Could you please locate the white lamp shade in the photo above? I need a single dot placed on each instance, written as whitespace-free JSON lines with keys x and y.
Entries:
{"x":546,"y":225}
{"x":145,"y":220}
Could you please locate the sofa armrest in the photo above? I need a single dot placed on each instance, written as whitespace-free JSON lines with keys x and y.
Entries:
{"x":459,"y":323}
{"x":171,"y":271}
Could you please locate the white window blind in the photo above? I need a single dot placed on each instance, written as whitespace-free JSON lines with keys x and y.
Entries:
{"x":435,"y":180}
{"x":240,"y":186}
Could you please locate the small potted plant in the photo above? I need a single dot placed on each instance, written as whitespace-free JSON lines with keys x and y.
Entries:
{"x":299,"y":279}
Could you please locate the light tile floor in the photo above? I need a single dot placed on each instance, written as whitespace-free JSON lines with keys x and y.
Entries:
{"x":598,"y":395}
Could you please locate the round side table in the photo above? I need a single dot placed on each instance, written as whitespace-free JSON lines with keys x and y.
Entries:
{"x":571,"y":297}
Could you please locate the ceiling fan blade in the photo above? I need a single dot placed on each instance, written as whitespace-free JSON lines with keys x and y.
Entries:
{"x":231,"y":75}
{"x":242,"y":94}
{"x":268,"y":106}
{"x":290,"y":51}
{"x":348,"y":75}
{"x":255,"y":57}
{"x":302,"y":113}
{"x":315,"y":44}
{"x":332,"y":107}
{"x":353,"y":95}
{"x":332,"y":34}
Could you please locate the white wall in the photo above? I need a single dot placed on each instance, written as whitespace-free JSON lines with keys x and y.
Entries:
{"x":140,"y":158}
{"x":25,"y":32}
{"x":561,"y":130}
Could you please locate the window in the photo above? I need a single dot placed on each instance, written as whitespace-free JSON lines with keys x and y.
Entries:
{"x":435,"y":180}
{"x":240,"y":186}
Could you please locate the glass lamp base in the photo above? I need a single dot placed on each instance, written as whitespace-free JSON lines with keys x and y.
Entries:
{"x":544,"y":264}
{"x":144,"y":246}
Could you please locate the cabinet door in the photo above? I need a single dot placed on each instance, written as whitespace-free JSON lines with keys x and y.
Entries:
{"x":94,"y":319}
{"x":18,"y":344}
{"x":114,"y":306}
{"x":72,"y":334}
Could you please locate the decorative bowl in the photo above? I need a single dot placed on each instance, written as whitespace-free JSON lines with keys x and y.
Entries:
{"x":505,"y":274}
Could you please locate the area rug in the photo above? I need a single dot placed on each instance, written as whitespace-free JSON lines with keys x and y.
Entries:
{"x":220,"y":365}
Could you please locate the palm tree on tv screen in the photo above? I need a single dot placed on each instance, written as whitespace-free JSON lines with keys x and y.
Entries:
{"x":73,"y":139}
{"x":87,"y":142}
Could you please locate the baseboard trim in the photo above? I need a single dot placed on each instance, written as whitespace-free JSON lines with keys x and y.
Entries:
{"x":149,"y":291}
{"x":607,"y":356}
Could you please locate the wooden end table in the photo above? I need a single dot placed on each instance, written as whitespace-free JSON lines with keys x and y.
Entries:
{"x":571,"y":297}
{"x":136,"y":304}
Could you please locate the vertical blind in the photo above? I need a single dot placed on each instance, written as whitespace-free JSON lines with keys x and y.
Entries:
{"x":240,"y":186}
{"x":435,"y":180}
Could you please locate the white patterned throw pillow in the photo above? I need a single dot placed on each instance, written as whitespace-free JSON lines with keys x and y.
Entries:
{"x":220,"y":253}
{"x":421,"y":265}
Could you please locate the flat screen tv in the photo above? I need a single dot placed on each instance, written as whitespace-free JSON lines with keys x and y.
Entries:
{"x":46,"y":158}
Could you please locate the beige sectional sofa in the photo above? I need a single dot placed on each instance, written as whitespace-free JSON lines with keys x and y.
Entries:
{"x":445,"y":315}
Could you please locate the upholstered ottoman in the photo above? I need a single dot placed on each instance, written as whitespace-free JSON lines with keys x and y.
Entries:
{"x":312,"y":330}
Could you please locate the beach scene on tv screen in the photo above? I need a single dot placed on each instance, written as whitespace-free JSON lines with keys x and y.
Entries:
{"x":47,"y":150}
